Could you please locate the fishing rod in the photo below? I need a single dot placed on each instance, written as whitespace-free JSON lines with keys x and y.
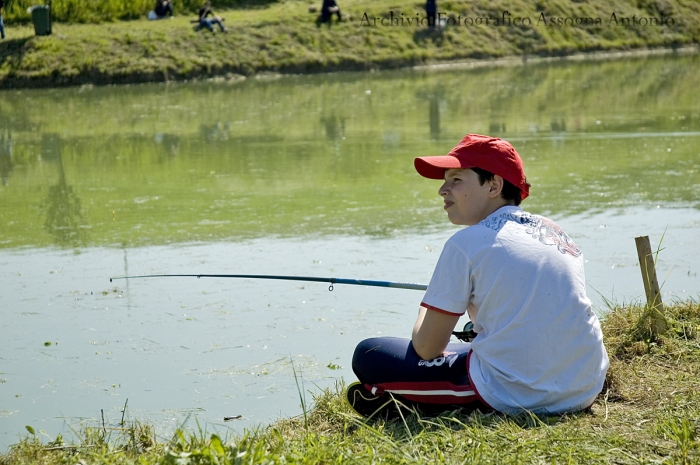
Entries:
{"x":332,"y":281}
{"x":466,"y":335}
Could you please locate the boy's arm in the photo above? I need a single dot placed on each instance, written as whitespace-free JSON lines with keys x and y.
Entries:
{"x":432,"y":332}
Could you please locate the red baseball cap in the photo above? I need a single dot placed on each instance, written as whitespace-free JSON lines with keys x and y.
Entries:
{"x":476,"y":151}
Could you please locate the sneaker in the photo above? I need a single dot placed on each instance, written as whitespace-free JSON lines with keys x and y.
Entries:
{"x":368,"y":405}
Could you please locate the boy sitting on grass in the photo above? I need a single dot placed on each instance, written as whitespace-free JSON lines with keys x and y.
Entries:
{"x":520,"y":279}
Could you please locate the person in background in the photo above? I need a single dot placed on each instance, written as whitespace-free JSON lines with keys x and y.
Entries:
{"x":164,"y":8}
{"x":2,"y":25}
{"x":205,"y":21}
{"x":431,"y":13}
{"x":328,"y":8}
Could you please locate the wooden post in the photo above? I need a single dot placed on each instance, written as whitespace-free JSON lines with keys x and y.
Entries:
{"x":651,"y":284}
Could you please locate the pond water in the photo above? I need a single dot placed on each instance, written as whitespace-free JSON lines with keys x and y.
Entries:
{"x":307,"y":176}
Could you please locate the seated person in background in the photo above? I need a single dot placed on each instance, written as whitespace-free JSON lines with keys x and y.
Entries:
{"x":327,"y":9}
{"x":204,"y":21}
{"x":163,"y":8}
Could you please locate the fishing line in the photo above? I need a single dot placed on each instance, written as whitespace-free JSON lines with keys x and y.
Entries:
{"x":466,"y":335}
{"x":332,"y":281}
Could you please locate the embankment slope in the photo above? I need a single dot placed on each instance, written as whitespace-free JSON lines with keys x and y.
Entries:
{"x":283,"y":38}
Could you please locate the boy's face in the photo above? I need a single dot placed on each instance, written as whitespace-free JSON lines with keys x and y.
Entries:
{"x":466,"y":201}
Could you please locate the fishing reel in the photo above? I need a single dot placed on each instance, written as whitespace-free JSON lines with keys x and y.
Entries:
{"x":467,"y":334}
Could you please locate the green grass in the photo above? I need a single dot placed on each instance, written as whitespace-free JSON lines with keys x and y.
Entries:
{"x":97,"y":11}
{"x":647,"y":413}
{"x":282,"y":37}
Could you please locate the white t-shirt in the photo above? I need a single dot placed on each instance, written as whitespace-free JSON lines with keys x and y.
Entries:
{"x":520,"y":278}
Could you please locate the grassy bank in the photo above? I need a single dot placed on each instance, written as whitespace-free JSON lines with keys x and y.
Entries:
{"x":647,"y":413}
{"x":282,"y":37}
{"x":82,"y":11}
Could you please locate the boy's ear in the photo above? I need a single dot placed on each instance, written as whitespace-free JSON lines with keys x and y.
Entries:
{"x":495,"y":186}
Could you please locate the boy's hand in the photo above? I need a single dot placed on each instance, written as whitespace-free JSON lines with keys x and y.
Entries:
{"x":432,"y":332}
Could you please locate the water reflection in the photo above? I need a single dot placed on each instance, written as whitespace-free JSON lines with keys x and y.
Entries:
{"x":436,"y":98}
{"x":557,"y":125}
{"x":253,"y":159}
{"x":334,"y":127}
{"x":64,"y":217}
{"x":434,"y":118}
{"x":215,"y":132}
{"x":497,"y":128}
{"x":5,"y":157}
{"x":170,"y":144}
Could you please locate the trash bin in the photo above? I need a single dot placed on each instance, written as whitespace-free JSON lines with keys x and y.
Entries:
{"x":41,"y":17}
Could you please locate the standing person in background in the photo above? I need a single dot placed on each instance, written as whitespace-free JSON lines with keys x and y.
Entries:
{"x":431,"y":13}
{"x":2,"y":25}
{"x":328,"y":8}
{"x":204,"y":21}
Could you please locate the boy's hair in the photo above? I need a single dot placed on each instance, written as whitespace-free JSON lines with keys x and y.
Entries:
{"x":510,"y":193}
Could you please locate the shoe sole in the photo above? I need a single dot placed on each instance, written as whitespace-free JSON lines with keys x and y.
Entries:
{"x":371,"y":406}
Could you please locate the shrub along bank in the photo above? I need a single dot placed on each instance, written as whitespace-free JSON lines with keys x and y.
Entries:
{"x":282,"y":37}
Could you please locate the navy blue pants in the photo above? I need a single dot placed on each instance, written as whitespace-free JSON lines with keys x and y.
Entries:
{"x":390,"y":364}
{"x":209,"y":23}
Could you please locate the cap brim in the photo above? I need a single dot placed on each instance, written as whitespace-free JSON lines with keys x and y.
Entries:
{"x":434,"y":167}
